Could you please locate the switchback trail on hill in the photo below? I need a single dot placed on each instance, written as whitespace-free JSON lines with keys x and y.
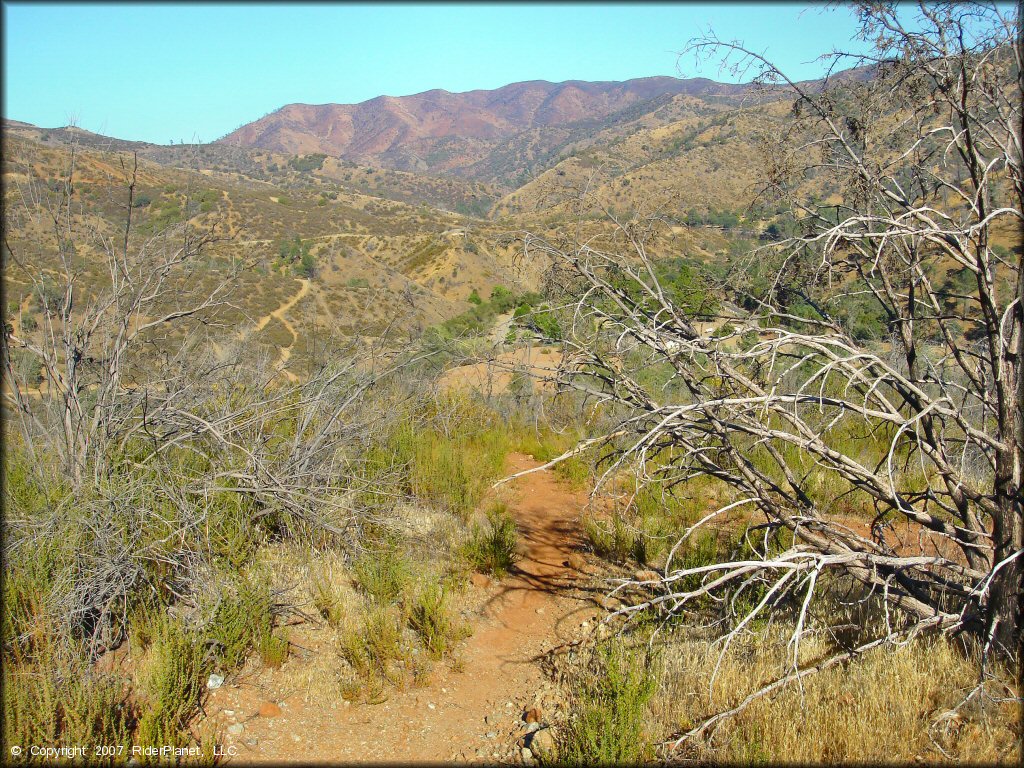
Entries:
{"x":475,"y":714}
{"x":284,"y":353}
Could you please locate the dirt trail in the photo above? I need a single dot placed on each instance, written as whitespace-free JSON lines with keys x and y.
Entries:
{"x":285,"y":352}
{"x":279,"y":313}
{"x":531,"y":611}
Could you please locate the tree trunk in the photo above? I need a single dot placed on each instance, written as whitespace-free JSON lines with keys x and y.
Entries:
{"x":1006,"y":596}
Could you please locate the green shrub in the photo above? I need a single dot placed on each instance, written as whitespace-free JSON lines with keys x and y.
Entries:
{"x":492,"y":548}
{"x":326,"y":599}
{"x":172,"y":682}
{"x":383,"y":575}
{"x":307,"y":163}
{"x":702,"y":548}
{"x":38,"y":568}
{"x":611,"y":540}
{"x":452,"y":468}
{"x":455,"y":470}
{"x":577,"y":469}
{"x":373,"y":648}
{"x":28,"y":584}
{"x":544,"y":323}
{"x":307,"y":265}
{"x":431,"y":619}
{"x":649,"y":541}
{"x":609,"y":710}
{"x":544,"y":444}
{"x":233,"y":534}
{"x":242,"y":621}
{"x":443,"y":473}
{"x":62,"y":701}
{"x":273,"y":649}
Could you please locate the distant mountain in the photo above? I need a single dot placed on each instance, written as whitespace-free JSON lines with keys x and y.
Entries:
{"x":521,"y":148}
{"x":484,"y":143}
{"x":451,"y":133}
{"x":405,"y":203}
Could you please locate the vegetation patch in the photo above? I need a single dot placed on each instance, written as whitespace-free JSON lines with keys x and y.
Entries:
{"x":608,"y":724}
{"x":492,"y":548}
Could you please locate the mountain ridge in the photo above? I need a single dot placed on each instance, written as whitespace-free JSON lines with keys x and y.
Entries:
{"x":415,"y":132}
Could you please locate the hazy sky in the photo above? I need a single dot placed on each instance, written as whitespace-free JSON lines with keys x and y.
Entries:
{"x":163,"y":72}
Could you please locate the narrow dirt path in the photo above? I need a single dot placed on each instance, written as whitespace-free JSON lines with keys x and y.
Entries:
{"x":279,"y":313}
{"x":284,"y":353}
{"x":475,"y":714}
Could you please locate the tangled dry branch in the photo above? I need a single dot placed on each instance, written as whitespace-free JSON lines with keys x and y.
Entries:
{"x":922,"y":425}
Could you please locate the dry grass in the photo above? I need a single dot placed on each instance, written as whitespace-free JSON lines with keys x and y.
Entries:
{"x":388,"y":616}
{"x":885,"y":707}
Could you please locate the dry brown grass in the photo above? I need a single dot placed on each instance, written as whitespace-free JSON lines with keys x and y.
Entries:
{"x":364,"y":644}
{"x":886,"y":707}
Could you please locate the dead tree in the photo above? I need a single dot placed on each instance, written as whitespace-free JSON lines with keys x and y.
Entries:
{"x":922,"y":426}
{"x":90,"y":345}
{"x":145,"y":427}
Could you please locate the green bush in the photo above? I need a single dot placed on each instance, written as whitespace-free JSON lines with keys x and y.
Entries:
{"x":481,"y":316}
{"x":273,"y":649}
{"x":544,"y":323}
{"x":373,"y":650}
{"x":450,"y":468}
{"x":431,"y":619}
{"x":326,"y":599}
{"x":502,"y":298}
{"x":242,"y":621}
{"x":307,"y":163}
{"x":611,"y":540}
{"x":492,"y":548}
{"x":609,"y":710}
{"x":307,"y":265}
{"x":384,"y":575}
{"x":172,"y":682}
{"x":39,"y":568}
{"x":234,"y":536}
{"x":62,"y":701}
{"x":650,"y":540}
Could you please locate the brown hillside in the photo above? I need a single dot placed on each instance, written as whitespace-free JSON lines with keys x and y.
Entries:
{"x":384,"y":128}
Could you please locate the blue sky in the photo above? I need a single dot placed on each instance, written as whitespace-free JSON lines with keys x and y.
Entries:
{"x":162,"y":72}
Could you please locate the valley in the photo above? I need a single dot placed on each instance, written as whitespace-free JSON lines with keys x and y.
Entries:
{"x":388,"y":247}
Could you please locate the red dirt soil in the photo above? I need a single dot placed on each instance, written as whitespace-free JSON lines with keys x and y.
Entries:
{"x":536,"y":608}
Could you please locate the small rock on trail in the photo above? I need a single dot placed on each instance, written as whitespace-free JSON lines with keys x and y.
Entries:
{"x":577,"y":562}
{"x":542,"y":743}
